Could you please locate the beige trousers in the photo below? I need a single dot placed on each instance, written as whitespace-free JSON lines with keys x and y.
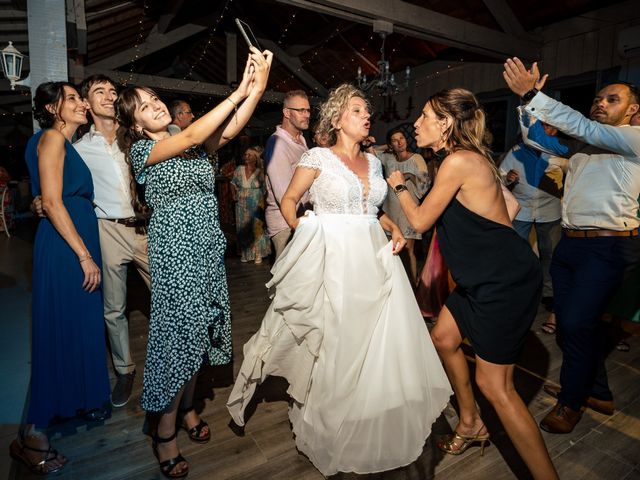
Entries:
{"x":280,"y":241}
{"x":120,"y":246}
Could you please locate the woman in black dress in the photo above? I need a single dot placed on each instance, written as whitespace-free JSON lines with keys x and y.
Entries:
{"x":498,"y":277}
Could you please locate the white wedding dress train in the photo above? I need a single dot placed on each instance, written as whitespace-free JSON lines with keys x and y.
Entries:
{"x":345,"y":330}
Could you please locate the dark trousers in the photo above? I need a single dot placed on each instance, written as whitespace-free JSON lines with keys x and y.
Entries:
{"x":586,"y":273}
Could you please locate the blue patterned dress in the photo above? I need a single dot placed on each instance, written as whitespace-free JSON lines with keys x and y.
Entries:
{"x":190,"y":313}
{"x":250,"y":225}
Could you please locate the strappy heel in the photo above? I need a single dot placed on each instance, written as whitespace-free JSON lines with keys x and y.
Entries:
{"x":451,"y":444}
{"x":167,"y":466}
{"x":195,"y":433}
{"x":17,"y":452}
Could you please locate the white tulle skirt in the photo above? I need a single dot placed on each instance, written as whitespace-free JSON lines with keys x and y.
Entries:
{"x":344,"y":329}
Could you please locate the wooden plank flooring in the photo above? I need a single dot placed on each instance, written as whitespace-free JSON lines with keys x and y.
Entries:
{"x":601,"y":447}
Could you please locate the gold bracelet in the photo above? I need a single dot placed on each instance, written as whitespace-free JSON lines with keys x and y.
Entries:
{"x":235,"y":109}
{"x":84,"y":258}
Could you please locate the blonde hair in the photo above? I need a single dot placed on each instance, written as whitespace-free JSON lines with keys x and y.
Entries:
{"x":468,"y":129}
{"x":256,"y":149}
{"x":334,"y":107}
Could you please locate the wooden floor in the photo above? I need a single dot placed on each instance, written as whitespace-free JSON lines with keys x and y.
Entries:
{"x":601,"y":447}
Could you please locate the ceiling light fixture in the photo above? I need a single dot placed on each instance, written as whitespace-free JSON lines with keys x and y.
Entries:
{"x":384,"y":83}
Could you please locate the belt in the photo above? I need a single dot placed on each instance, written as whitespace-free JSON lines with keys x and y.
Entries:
{"x":128,"y":222}
{"x":599,"y":233}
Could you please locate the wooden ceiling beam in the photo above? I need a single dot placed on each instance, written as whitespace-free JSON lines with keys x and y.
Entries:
{"x":505,"y":17}
{"x":419,"y":22}
{"x":172,"y":84}
{"x":155,"y":41}
{"x":294,"y":65}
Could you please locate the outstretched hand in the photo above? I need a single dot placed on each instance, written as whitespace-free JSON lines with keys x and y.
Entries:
{"x":519,"y":79}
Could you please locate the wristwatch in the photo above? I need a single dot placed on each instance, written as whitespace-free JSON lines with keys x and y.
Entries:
{"x":398,"y":189}
{"x":528,"y":96}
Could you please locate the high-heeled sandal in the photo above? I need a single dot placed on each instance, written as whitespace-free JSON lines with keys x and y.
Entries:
{"x":195,"y":433}
{"x":452,"y":446}
{"x":168,"y":466}
{"x":17,"y":452}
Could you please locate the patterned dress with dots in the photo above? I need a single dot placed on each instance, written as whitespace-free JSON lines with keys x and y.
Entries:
{"x":190,"y":314}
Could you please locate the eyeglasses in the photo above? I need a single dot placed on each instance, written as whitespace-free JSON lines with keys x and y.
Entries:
{"x":300,"y":110}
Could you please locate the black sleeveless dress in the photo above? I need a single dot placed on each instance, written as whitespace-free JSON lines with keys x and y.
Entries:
{"x":498,"y":279}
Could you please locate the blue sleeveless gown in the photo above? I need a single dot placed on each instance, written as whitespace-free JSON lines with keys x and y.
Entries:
{"x":68,"y":359}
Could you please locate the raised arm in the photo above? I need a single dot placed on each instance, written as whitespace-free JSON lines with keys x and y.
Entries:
{"x":446,"y":186}
{"x":219,"y":126}
{"x":621,"y":140}
{"x":302,"y":179}
{"x":51,"y":153}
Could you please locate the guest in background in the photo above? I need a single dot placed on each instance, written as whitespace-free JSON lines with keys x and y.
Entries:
{"x":249,"y":193}
{"x":190,"y":314}
{"x":68,"y":368}
{"x":181,"y":116}
{"x":532,"y":179}
{"x":414,"y":168}
{"x":282,"y":153}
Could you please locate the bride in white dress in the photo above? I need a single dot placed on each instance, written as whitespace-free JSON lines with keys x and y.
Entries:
{"x":344,"y":327}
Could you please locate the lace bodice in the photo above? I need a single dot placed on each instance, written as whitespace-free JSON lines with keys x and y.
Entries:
{"x":338,"y":189}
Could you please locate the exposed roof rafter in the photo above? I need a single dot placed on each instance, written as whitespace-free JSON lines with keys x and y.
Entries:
{"x":422,"y":23}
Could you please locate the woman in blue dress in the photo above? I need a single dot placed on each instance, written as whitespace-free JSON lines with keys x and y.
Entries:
{"x":68,"y":368}
{"x":190,"y":315}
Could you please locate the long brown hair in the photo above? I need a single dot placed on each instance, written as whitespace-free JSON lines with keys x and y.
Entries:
{"x":468,"y":130}
{"x":125,"y":107}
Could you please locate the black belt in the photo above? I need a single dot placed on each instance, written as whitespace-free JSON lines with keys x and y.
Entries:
{"x":599,"y":233}
{"x":128,"y":222}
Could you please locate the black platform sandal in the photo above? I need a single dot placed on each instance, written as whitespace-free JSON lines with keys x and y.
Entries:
{"x":167,"y":466}
{"x":195,"y":433}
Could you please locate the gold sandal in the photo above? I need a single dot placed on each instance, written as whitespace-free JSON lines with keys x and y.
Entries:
{"x":450,"y":444}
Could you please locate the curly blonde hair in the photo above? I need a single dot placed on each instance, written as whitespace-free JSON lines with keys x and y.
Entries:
{"x":334,"y":107}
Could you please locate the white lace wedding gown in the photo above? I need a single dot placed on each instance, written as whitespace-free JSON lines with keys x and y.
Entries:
{"x":345,"y":330}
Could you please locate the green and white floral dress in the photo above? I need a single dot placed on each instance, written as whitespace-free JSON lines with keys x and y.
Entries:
{"x":190,"y":313}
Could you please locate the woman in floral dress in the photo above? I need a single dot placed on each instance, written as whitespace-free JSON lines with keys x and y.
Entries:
{"x":190,"y":316}
{"x":249,"y":193}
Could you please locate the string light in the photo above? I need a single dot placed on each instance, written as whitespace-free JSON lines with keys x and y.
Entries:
{"x":207,"y":43}
{"x":141,"y":30}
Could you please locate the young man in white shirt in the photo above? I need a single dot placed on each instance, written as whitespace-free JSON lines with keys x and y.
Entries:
{"x":123,"y":238}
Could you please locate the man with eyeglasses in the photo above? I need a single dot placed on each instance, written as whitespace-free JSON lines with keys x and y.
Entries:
{"x":181,"y":116}
{"x":282,"y":154}
{"x":599,"y":234}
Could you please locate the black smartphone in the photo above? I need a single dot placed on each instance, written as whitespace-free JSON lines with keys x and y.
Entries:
{"x":248,"y":35}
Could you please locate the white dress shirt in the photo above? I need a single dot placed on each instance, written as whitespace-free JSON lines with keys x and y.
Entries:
{"x":603,"y":180}
{"x":110,"y":172}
